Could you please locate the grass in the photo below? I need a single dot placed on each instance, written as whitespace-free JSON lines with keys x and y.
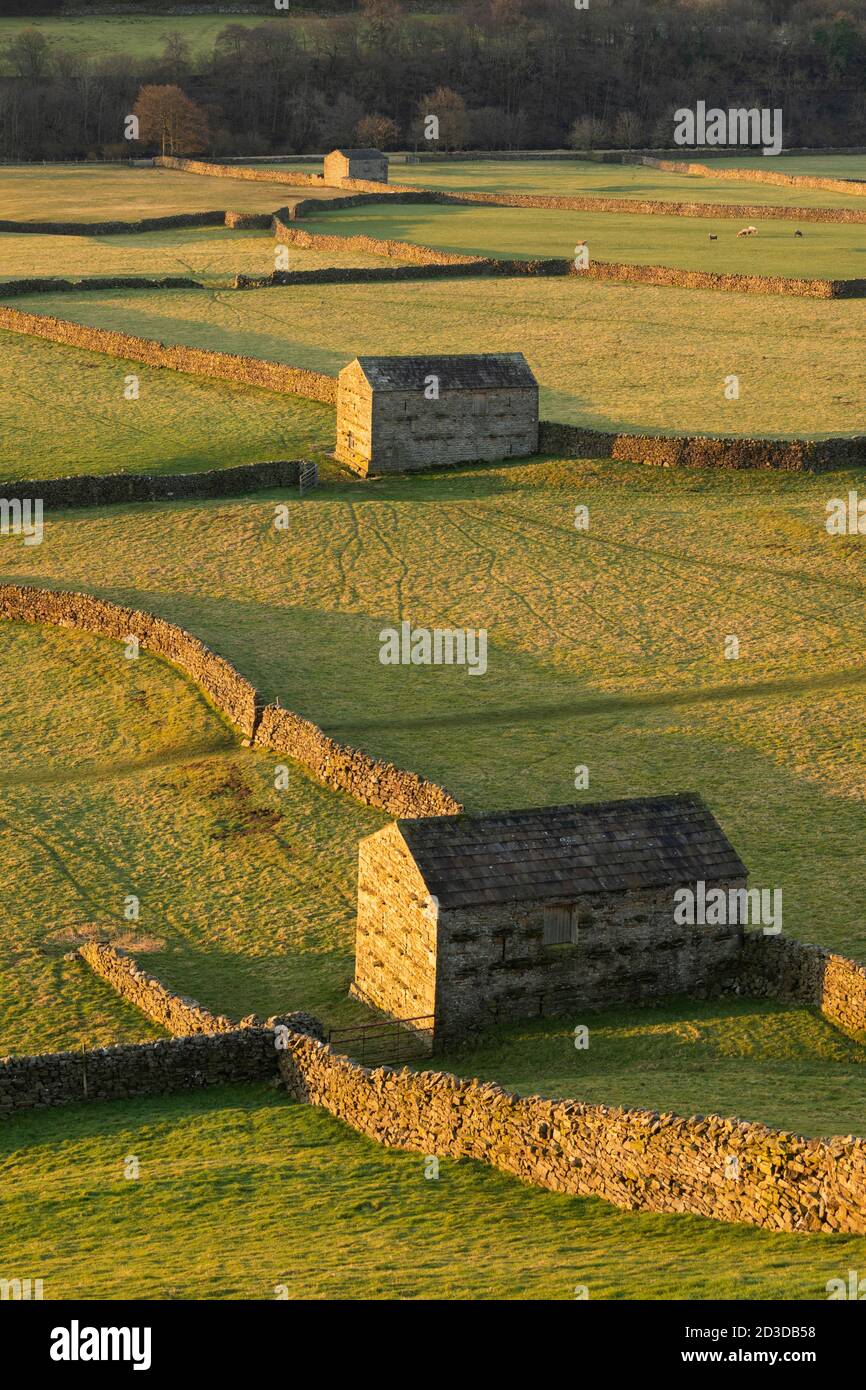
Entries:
{"x":574,"y":178}
{"x":608,"y":356}
{"x":213,"y":255}
{"x":825,"y":251}
{"x":760,"y":1061}
{"x":63,"y":411}
{"x":124,"y":781}
{"x":141,"y":35}
{"x":119,"y":193}
{"x":241,"y":1192}
{"x":605,"y":647}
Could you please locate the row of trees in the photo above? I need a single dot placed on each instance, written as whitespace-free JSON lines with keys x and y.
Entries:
{"x":495,"y":73}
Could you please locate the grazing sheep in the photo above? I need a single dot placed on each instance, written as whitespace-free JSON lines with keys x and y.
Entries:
{"x":748,"y":231}
{"x":713,"y":236}
{"x":798,"y":234}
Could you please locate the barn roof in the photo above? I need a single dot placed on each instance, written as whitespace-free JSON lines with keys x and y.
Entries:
{"x":464,"y":372}
{"x":361,"y":154}
{"x":562,"y":852}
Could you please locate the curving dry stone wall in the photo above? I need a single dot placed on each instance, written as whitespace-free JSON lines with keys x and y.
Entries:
{"x":638,"y":1159}
{"x":343,"y":768}
{"x":228,"y":366}
{"x":225,"y":687}
{"x":778,"y":967}
{"x":179,"y":1015}
{"x":347,"y":769}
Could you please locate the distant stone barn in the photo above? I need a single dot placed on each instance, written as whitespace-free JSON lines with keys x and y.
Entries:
{"x":355,"y":164}
{"x":397,"y":414}
{"x":478,"y":919}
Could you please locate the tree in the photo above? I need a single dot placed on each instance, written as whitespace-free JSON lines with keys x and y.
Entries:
{"x":451,"y":119}
{"x":30,"y":55}
{"x":586,"y":133}
{"x":168,"y":118}
{"x":377,"y":131}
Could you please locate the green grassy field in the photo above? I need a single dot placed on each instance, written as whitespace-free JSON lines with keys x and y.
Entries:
{"x":213,"y":255}
{"x":141,"y":35}
{"x":121,"y":193}
{"x":63,"y":412}
{"x":579,"y":177}
{"x":241,"y":1192}
{"x":606,"y":648}
{"x":825,"y":251}
{"x":123,"y":781}
{"x":606,"y":355}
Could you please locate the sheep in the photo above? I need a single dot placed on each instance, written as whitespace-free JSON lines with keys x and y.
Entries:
{"x":798,"y":233}
{"x":713,"y":236}
{"x":748,"y":231}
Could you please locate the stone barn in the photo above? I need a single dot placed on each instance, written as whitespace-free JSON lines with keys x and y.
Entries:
{"x":478,"y":919}
{"x":396,"y":414}
{"x":355,"y":164}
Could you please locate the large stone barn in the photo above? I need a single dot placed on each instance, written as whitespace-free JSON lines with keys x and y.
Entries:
{"x":477,"y":919}
{"x":355,"y":164}
{"x":396,"y":414}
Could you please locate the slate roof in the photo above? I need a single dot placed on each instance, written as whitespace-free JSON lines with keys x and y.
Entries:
{"x":361,"y":154}
{"x":563,"y":852}
{"x":466,"y":372}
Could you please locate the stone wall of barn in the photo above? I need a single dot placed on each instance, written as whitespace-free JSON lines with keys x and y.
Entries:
{"x":410,"y":432}
{"x":395,"y":946}
{"x":492,"y":964}
{"x":354,"y":445}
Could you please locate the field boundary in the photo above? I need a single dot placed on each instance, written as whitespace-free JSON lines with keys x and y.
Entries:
{"x":703,"y":451}
{"x":106,"y":489}
{"x":338,"y":766}
{"x":373,"y":193}
{"x":441,"y":262}
{"x":825,"y":183}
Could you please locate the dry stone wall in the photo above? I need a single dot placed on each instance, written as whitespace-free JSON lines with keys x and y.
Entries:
{"x":828,"y":185}
{"x":642,"y":207}
{"x":225,"y":687}
{"x":697,"y":451}
{"x":347,"y":769}
{"x":343,"y":768}
{"x":778,"y":967}
{"x":636,"y":1159}
{"x":237,"y":171}
{"x":146,"y":224}
{"x":228,"y":366}
{"x":98,"y":490}
{"x":179,"y":1015}
{"x":127,"y":1070}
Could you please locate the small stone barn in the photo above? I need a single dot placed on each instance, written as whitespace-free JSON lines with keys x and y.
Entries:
{"x":476,"y":919}
{"x":396,"y":414}
{"x":355,"y":164}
